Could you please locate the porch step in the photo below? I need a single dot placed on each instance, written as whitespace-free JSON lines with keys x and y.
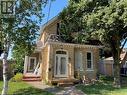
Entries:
{"x":31,"y":78}
{"x":64,"y":82}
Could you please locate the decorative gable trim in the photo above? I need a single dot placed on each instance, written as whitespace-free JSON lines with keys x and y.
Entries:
{"x":75,"y":45}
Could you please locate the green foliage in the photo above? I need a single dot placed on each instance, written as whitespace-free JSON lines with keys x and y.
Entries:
{"x":109,"y":25}
{"x":21,"y":31}
{"x":17,"y":78}
{"x":74,"y":19}
{"x":105,"y":78}
{"x":104,"y":20}
{"x":95,"y":19}
{"x":109,"y":20}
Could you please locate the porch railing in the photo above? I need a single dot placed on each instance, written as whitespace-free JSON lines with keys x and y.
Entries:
{"x":55,"y":38}
{"x":37,"y":69}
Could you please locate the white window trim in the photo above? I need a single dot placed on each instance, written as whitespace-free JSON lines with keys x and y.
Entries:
{"x":29,"y":63}
{"x":89,"y":69}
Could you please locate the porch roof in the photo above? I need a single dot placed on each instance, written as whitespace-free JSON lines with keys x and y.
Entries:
{"x":76,"y":45}
{"x":38,"y":49}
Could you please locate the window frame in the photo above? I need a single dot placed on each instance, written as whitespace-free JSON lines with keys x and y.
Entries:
{"x":89,"y":69}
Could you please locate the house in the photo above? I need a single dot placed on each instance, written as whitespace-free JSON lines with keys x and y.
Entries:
{"x":55,"y":61}
{"x":106,"y":65}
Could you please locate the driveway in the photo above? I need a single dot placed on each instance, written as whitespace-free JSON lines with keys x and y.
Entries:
{"x":71,"y":90}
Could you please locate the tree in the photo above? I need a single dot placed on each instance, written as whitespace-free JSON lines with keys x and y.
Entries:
{"x":73,"y":25}
{"x":110,"y":24}
{"x":20,"y":31}
{"x":104,"y":20}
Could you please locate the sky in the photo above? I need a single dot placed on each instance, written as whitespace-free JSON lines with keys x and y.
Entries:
{"x":56,"y":7}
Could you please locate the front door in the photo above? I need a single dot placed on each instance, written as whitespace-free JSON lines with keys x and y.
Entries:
{"x":61,"y":67}
{"x":32,"y":64}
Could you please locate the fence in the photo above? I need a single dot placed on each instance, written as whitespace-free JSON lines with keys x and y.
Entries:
{"x":106,"y":67}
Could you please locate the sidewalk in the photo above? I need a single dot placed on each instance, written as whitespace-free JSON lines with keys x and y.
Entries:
{"x":71,"y":90}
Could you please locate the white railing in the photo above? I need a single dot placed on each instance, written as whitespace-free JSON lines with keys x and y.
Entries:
{"x":54,"y":38}
{"x":37,"y":69}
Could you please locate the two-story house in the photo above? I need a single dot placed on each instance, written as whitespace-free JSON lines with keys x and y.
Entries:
{"x":54,"y":60}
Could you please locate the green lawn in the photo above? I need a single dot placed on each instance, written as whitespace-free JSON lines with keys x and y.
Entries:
{"x":21,"y":88}
{"x":102,"y":89}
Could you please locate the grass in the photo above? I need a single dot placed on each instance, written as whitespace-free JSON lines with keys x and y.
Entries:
{"x":21,"y":88}
{"x":102,"y":88}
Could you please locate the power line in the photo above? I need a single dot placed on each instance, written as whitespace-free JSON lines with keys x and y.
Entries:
{"x":49,"y":11}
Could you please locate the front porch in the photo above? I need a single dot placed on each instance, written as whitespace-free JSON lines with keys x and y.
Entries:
{"x":32,"y":66}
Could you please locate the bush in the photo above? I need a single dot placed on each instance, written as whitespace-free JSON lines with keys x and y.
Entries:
{"x":105,"y":78}
{"x":17,"y":78}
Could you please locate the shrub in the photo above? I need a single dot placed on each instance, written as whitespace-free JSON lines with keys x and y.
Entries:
{"x":17,"y":78}
{"x":105,"y":78}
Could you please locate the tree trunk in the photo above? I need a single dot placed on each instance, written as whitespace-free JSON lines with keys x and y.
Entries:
{"x":5,"y":66}
{"x":117,"y":66}
{"x":115,"y":46}
{"x":117,"y":82}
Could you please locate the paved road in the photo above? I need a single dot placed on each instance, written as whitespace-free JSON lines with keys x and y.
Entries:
{"x":71,"y":90}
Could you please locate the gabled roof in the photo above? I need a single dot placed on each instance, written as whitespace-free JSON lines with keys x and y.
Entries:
{"x":48,"y":23}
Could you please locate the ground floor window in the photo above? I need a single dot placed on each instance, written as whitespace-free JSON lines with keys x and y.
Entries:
{"x":78,"y":61}
{"x":89,"y":60}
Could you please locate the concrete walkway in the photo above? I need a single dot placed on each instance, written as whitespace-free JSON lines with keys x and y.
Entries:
{"x":71,"y":90}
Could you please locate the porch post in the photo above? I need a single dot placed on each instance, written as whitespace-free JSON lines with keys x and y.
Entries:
{"x":25,"y":64}
{"x":48,"y":60}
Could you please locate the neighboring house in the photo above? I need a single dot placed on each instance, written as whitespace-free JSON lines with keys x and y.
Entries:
{"x":55,"y":61}
{"x":106,"y":65}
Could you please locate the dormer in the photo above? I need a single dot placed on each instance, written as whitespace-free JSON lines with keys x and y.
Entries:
{"x":49,"y":29}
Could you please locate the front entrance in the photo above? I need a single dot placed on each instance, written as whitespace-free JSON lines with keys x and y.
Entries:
{"x":61,"y":67}
{"x":32,"y":64}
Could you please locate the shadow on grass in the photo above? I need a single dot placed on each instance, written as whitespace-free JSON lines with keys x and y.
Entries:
{"x":98,"y":88}
{"x":31,"y":91}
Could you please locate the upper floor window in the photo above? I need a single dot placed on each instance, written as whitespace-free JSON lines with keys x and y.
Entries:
{"x":57,"y":31}
{"x":89,"y":60}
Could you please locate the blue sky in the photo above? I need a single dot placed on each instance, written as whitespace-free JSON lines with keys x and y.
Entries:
{"x":56,"y":7}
